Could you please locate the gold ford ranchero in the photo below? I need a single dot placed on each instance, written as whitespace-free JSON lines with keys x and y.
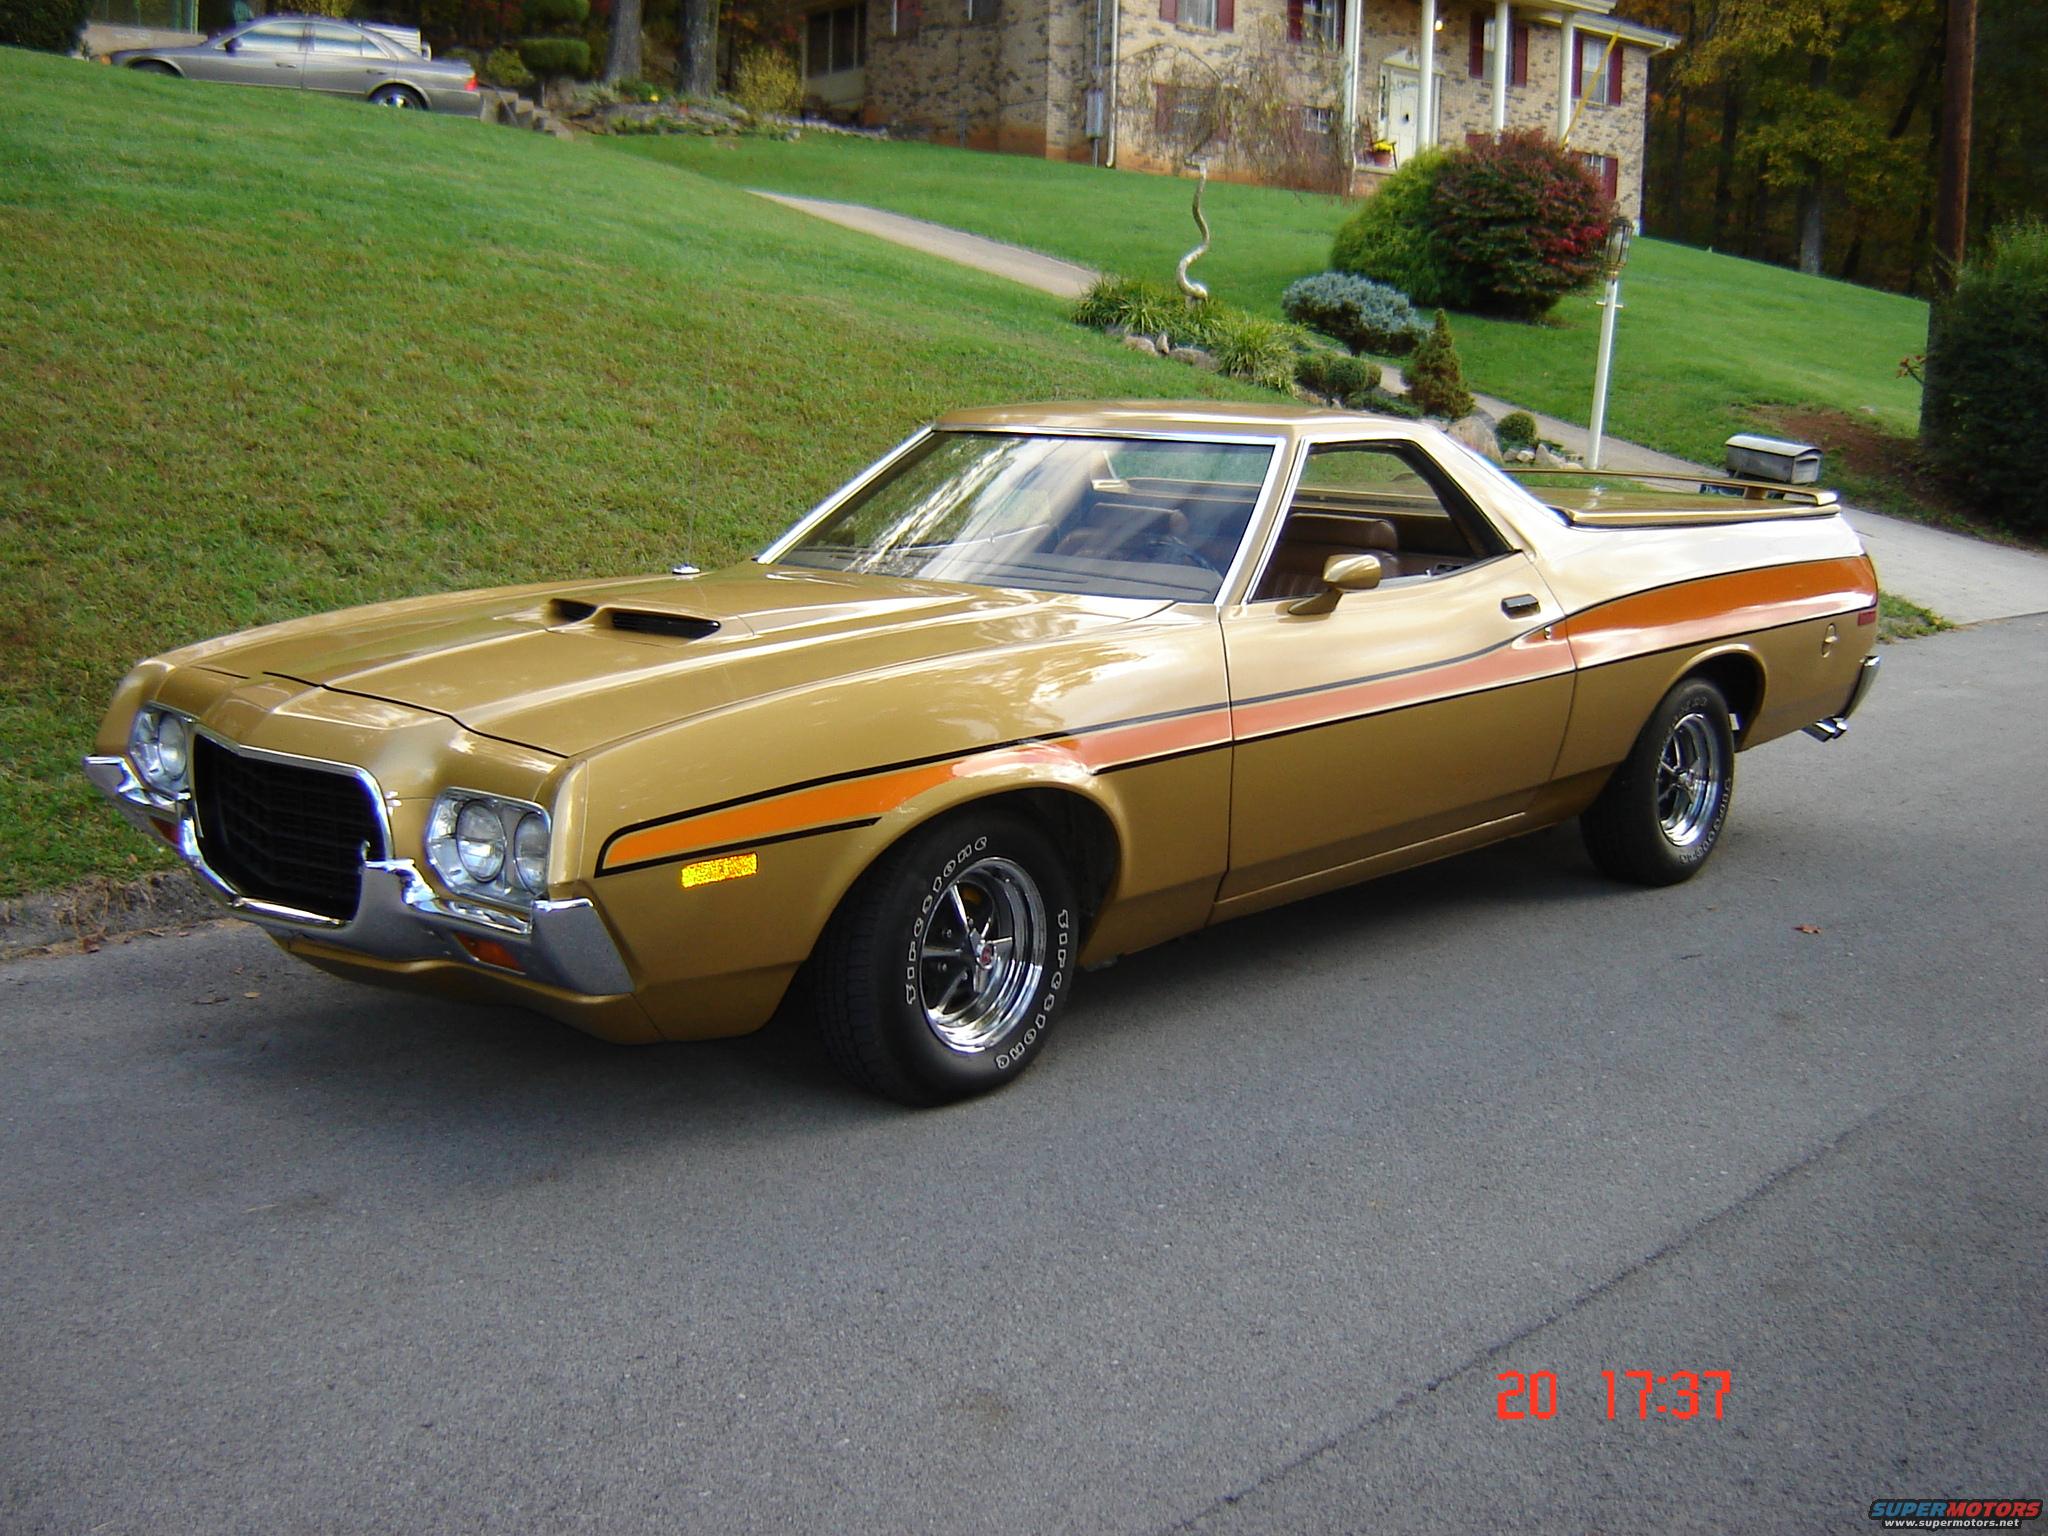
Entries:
{"x":1045,"y":685}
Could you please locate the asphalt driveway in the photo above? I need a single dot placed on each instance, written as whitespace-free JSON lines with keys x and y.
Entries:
{"x":1247,"y":1252}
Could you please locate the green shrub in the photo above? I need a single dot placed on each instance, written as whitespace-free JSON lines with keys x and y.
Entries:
{"x":51,"y":26}
{"x":1366,"y":316}
{"x":548,"y":57}
{"x":1350,"y":381}
{"x":1389,"y":238}
{"x":1987,"y":379}
{"x":1519,"y":222}
{"x":1517,"y":429}
{"x":503,"y":67}
{"x":1436,"y":383}
{"x":1393,"y":405}
{"x":765,"y":81}
{"x":636,"y":89}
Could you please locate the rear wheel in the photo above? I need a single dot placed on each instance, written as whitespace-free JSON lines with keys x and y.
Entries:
{"x":941,"y":973}
{"x":396,"y":96}
{"x":1660,"y":816}
{"x":153,"y":67}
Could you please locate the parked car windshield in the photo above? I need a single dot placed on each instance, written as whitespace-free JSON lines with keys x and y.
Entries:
{"x":1115,"y":517}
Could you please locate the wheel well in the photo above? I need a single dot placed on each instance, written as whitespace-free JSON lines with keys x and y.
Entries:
{"x":1740,"y":678}
{"x":1077,"y":826}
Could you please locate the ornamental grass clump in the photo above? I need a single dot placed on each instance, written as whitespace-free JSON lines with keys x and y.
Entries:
{"x":1244,"y":346}
{"x":1350,"y":381}
{"x":1364,"y":315}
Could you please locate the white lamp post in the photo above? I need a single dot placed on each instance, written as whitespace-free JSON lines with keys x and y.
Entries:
{"x":1618,"y":236}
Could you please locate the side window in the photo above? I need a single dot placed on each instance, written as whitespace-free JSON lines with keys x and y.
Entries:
{"x":283,"y":37}
{"x":1385,"y":499}
{"x":331,"y":40}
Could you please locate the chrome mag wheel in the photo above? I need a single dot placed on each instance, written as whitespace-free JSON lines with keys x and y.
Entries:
{"x":1692,"y":777}
{"x":983,"y":955}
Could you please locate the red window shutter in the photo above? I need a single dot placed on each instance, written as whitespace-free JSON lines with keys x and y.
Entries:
{"x":1294,"y":21}
{"x":1477,"y":61}
{"x":1578,"y":66}
{"x":1518,"y":68}
{"x":1226,"y":15}
{"x":1614,"y":62}
{"x":1341,"y":9}
{"x":1610,"y":178}
{"x":1169,"y":10}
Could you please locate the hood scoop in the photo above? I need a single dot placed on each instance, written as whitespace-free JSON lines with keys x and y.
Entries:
{"x":638,"y":621}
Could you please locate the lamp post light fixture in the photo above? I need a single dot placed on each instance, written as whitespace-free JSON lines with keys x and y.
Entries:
{"x":1612,"y":260}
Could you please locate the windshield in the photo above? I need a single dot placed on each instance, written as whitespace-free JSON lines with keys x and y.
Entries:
{"x":1109,"y":516}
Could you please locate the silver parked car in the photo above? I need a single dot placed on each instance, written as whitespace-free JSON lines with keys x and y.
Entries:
{"x":315,"y":54}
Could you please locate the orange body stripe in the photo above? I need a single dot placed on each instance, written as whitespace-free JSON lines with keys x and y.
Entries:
{"x":1526,"y":660}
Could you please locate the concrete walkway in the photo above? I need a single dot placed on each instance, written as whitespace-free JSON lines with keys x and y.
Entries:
{"x":1965,"y":580}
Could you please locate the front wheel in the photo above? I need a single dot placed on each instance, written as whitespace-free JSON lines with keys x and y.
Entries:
{"x":396,"y":96}
{"x":1660,"y":816}
{"x":152,"y":67}
{"x":943,"y":970}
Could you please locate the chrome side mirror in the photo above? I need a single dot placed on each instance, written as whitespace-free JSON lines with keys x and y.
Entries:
{"x":1341,"y":574}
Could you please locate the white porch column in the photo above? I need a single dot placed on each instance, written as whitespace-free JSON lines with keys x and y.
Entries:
{"x":1568,"y":45}
{"x":1425,"y":131}
{"x":1503,"y":53}
{"x":1354,"y":39}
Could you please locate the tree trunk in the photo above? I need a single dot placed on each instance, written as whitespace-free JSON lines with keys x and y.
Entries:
{"x":697,"y":50}
{"x":1813,"y":196}
{"x":1724,"y":167}
{"x":1952,"y":202}
{"x":622,"y":58}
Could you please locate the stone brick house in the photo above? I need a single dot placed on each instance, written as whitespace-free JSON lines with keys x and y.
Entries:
{"x":1112,"y":81}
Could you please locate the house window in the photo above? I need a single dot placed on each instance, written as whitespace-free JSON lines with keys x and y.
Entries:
{"x":904,"y":17}
{"x":1608,"y":169}
{"x":1316,"y":21}
{"x":1319,"y":120}
{"x":1480,"y":63}
{"x":1208,"y":15}
{"x":984,"y":11}
{"x":1596,"y":72}
{"x":836,"y":40}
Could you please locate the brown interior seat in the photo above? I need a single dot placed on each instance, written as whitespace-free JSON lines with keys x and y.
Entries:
{"x":1310,"y":539}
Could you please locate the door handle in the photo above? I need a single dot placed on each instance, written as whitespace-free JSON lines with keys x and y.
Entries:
{"x":1520,"y":606}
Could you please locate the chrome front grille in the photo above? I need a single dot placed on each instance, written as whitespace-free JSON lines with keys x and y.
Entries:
{"x":284,"y":832}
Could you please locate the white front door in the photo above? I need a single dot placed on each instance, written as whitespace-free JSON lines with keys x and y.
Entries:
{"x":1401,"y":90}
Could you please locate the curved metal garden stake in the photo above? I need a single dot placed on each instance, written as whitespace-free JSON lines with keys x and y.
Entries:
{"x":1188,"y":285}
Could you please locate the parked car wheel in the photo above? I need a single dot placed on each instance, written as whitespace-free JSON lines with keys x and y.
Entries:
{"x":1661,"y":815}
{"x":396,"y":96}
{"x":153,"y":67}
{"x":943,"y":970}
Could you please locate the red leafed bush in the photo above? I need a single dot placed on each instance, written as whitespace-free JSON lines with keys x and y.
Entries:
{"x":1519,"y":222}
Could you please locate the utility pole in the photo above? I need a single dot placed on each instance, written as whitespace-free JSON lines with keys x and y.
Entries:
{"x":1959,"y":86}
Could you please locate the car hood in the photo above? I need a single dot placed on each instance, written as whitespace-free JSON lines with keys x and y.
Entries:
{"x":572,"y":666}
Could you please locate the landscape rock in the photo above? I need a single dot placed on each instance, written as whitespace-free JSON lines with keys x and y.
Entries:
{"x":1195,"y":357}
{"x":1476,"y":433}
{"x":1545,"y":459}
{"x":1144,"y":344}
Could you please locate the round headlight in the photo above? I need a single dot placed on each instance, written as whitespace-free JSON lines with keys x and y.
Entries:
{"x":480,"y":842}
{"x":530,"y":853}
{"x":173,"y":746}
{"x":160,"y":749}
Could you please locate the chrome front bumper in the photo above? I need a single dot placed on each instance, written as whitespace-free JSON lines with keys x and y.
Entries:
{"x":399,"y":916}
{"x":1835,"y":727}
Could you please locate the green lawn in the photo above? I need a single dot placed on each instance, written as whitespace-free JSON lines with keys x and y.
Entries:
{"x":1703,"y":338}
{"x":265,"y":355}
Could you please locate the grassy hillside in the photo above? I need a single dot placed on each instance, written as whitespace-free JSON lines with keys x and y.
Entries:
{"x":1703,"y":338}
{"x":264,"y":355}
